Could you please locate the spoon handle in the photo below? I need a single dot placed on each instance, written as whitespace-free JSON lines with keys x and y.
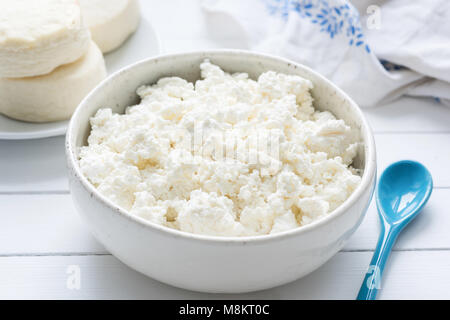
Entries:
{"x":372,"y":279}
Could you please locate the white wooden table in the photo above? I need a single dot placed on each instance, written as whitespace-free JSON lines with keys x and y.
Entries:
{"x":41,"y":235}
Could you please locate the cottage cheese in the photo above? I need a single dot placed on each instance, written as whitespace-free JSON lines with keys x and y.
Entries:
{"x":226,"y":156}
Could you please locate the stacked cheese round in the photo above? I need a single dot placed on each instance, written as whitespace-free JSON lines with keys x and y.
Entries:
{"x":111,"y":22}
{"x":38,"y":36}
{"x":53,"y":96}
{"x":48,"y":62}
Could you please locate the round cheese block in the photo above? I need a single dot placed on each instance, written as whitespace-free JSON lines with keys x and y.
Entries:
{"x":111,"y":21}
{"x":38,"y":36}
{"x":54,"y":96}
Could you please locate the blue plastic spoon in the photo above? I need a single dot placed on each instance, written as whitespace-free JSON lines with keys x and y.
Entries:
{"x":403,"y":190}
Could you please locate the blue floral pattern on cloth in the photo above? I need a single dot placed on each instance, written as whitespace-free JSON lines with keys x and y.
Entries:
{"x":340,"y":18}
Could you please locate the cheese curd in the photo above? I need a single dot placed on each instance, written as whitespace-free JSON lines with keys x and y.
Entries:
{"x":226,"y":156}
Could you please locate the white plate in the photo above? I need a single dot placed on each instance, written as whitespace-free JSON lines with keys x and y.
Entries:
{"x":142,"y":44}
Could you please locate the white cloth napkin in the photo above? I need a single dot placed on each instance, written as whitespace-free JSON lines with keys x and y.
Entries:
{"x":375,"y":52}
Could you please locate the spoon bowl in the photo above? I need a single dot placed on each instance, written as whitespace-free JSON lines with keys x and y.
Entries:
{"x":403,"y":190}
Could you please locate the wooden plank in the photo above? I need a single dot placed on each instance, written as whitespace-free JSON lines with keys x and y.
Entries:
{"x":409,"y":275}
{"x":43,"y":224}
{"x":33,"y":165}
{"x":409,"y":115}
{"x":433,"y":150}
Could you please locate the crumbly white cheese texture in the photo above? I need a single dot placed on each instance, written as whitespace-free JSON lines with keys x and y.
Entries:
{"x":139,"y":162}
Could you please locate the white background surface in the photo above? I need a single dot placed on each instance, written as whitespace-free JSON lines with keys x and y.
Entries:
{"x":41,"y":235}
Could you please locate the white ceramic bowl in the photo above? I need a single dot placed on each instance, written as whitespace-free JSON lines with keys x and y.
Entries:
{"x":204,"y":263}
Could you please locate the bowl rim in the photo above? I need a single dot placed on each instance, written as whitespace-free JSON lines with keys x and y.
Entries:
{"x":367,"y":180}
